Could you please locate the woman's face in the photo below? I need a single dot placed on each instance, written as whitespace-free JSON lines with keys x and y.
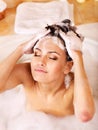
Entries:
{"x":48,"y":63}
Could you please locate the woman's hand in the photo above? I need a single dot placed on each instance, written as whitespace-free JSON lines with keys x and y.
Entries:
{"x":73,"y":43}
{"x":28,"y":48}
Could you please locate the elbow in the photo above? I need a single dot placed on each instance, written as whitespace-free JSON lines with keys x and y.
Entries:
{"x":86,"y":116}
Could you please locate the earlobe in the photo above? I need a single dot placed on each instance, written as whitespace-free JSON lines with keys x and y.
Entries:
{"x":68,"y":67}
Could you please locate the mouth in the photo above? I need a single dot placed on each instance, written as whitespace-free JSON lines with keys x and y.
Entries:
{"x":40,"y":70}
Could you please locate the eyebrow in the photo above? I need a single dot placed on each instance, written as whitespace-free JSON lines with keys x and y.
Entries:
{"x":48,"y":51}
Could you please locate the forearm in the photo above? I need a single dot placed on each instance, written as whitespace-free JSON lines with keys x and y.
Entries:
{"x":83,"y":99}
{"x":8,"y":64}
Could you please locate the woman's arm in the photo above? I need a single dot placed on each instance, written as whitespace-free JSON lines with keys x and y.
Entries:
{"x":83,"y":99}
{"x":8,"y":69}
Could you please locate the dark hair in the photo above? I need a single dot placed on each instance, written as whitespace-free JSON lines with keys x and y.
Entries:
{"x":65,"y":26}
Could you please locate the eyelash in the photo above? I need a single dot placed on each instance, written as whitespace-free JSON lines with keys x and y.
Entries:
{"x":54,"y":58}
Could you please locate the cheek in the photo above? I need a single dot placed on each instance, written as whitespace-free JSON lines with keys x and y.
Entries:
{"x":56,"y":72}
{"x":32,"y":65}
{"x":57,"y":68}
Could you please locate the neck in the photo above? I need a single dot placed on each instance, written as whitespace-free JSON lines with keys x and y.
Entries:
{"x":53,"y":88}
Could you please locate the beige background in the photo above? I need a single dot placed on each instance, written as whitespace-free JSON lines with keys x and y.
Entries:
{"x":86,"y":12}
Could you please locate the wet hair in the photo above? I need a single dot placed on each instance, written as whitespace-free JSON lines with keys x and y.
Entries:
{"x":65,"y":26}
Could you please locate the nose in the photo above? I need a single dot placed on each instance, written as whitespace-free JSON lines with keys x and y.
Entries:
{"x":42,"y":61}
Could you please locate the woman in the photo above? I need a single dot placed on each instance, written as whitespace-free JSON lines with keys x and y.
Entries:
{"x":54,"y":52}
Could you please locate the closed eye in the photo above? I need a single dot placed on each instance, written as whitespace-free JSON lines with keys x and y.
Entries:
{"x":53,"y":58}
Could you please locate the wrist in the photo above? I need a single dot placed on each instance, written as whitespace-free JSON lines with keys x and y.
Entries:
{"x":77,"y":55}
{"x":20,"y":49}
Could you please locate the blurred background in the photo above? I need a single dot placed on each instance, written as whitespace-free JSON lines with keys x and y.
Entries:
{"x":84,"y":11}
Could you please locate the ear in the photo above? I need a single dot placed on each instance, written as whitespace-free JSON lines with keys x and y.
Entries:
{"x":68,"y":67}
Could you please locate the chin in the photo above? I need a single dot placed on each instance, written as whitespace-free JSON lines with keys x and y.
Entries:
{"x":40,"y":79}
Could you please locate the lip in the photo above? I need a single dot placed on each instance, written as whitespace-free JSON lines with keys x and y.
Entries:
{"x":40,"y":70}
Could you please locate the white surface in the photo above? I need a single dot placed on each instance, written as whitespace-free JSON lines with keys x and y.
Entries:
{"x":31,"y":16}
{"x":89,"y":30}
